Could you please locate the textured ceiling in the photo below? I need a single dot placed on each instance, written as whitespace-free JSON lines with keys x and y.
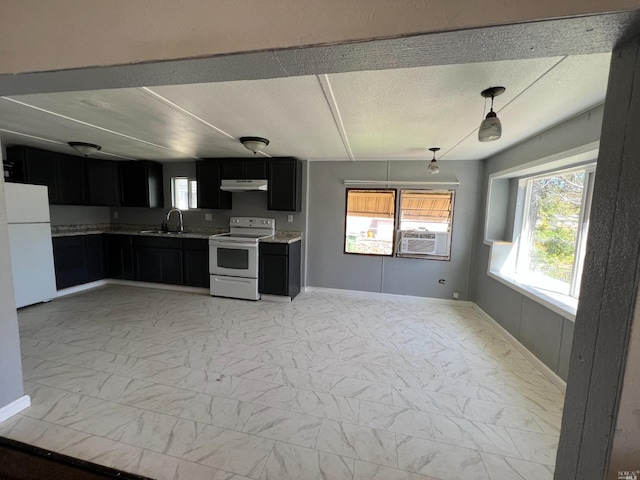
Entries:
{"x":362,"y":115}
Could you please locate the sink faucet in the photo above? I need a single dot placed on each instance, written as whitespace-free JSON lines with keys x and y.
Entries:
{"x":180,"y":227}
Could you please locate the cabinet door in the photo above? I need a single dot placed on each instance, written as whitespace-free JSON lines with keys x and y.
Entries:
{"x":95,"y":257}
{"x":209,"y":193}
{"x":196,"y":268}
{"x":72,"y":180}
{"x":133,"y":183}
{"x":273,"y":274}
{"x":70,"y":259}
{"x":231,"y":168}
{"x":104,"y":182}
{"x":40,"y":167}
{"x":148,"y":267}
{"x":195,"y":261}
{"x":284,"y":184}
{"x":171,"y":266}
{"x":119,"y":256}
{"x":255,"y":168}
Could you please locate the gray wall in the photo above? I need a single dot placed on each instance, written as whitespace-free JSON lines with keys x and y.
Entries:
{"x":11,"y":387}
{"x":329,"y":267}
{"x":545,"y":333}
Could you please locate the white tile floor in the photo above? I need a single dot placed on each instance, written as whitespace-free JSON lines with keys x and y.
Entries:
{"x":185,"y":386}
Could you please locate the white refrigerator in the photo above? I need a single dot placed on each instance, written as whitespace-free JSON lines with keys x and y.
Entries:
{"x":30,"y":244}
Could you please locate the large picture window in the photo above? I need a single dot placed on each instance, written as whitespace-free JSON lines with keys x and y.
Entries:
{"x":554,"y":230}
{"x":370,"y":221}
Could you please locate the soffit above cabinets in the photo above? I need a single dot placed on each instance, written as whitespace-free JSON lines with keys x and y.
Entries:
{"x":367,"y":115}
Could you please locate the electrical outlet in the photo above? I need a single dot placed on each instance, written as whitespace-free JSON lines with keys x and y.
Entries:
{"x":456,"y":295}
{"x":115,"y":214}
{"x":207,"y":217}
{"x":289,"y":218}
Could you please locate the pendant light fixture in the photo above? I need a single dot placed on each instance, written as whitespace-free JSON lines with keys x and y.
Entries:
{"x":85,"y":148}
{"x":491,"y":128}
{"x":255,"y":144}
{"x":433,"y":165}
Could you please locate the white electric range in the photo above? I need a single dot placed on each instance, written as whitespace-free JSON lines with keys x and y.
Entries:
{"x":233,"y":257}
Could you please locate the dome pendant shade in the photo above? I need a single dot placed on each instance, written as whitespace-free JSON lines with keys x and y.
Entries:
{"x":490,"y":128}
{"x":255,"y":144}
{"x":433,"y":164}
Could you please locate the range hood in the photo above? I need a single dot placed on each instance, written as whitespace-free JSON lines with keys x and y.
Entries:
{"x":244,"y":185}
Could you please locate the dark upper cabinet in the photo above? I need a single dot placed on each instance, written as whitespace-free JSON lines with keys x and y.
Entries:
{"x":103,"y":178}
{"x":208,"y":175}
{"x":141,"y":184}
{"x":64,"y":175}
{"x":285,"y":184}
{"x":243,"y":168}
{"x":279,"y":268}
{"x":72,"y":180}
{"x":36,"y":166}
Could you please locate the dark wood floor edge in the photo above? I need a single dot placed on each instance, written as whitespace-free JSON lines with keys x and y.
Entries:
{"x":73,"y":462}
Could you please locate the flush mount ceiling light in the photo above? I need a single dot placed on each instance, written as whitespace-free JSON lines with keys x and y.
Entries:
{"x":433,"y":165}
{"x":491,"y":128}
{"x":255,"y":144}
{"x":84,"y":148}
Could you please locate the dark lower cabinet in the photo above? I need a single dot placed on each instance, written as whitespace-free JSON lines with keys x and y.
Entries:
{"x":195,"y":259}
{"x":158,"y":260}
{"x":118,"y":256}
{"x":279,"y":269}
{"x":86,"y":258}
{"x":78,"y":259}
{"x":70,"y":260}
{"x":96,"y":267}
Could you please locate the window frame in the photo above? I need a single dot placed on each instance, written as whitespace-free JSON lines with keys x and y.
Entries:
{"x":397,"y":221}
{"x":191,"y":196}
{"x":526,"y":229}
{"x":346,"y":215}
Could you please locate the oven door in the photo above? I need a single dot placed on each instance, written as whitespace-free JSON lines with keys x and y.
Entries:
{"x":233,"y":259}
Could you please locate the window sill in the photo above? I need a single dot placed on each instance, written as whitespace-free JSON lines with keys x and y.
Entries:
{"x":564,"y":305}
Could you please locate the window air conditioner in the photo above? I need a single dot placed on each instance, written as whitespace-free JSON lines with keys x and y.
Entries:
{"x":424,"y":243}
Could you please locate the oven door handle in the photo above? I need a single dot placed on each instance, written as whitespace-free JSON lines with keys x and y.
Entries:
{"x":233,"y":245}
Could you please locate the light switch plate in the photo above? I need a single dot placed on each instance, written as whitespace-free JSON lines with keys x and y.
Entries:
{"x":289,"y":218}
{"x":115,"y":214}
{"x":207,"y":217}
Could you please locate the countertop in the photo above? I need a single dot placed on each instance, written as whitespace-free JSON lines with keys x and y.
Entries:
{"x":202,"y":233}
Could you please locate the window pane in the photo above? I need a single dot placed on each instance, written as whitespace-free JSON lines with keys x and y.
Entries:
{"x":193,"y":194}
{"x":370,"y":222}
{"x":425,"y":210}
{"x":180,"y":193}
{"x":555,"y":203}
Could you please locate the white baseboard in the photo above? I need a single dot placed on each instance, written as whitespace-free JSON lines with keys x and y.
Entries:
{"x":389,"y":296}
{"x":81,"y":288}
{"x":157,"y":286}
{"x":535,"y":361}
{"x":14,"y":407}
